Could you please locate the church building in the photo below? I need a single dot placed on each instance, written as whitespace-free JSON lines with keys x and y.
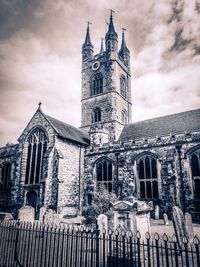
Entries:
{"x":57,"y":166}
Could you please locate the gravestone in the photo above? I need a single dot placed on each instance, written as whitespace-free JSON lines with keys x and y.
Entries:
{"x":166,"y":221}
{"x":132,"y":214}
{"x":179,"y":224}
{"x":26,"y":214}
{"x":157,"y":210}
{"x":189,"y":227}
{"x":143,"y":224}
{"x":102,"y":221}
{"x":50,"y":216}
{"x":42,"y":214}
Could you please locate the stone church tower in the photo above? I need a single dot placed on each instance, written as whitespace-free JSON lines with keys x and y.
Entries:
{"x":106,"y":87}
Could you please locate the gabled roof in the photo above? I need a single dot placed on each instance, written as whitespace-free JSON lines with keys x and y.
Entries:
{"x":171,"y":124}
{"x":67,"y":131}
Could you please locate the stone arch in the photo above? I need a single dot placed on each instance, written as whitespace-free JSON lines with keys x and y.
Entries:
{"x":147,"y":175}
{"x":36,"y":148}
{"x":104,"y":173}
{"x":96,"y":85}
{"x":145,"y":153}
{"x":123,"y":86}
{"x":35,"y":128}
{"x":192,"y":163}
{"x":32,"y":198}
{"x":191,"y":150}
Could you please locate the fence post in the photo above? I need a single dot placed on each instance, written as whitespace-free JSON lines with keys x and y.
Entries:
{"x":174,"y":239}
{"x":196,"y":242}
{"x":110,"y":248}
{"x":138,"y":248}
{"x":124,"y":248}
{"x":97,"y":245}
{"x":185,"y":242}
{"x":165,"y":238}
{"x":16,"y":244}
{"x":131,"y":247}
{"x":156,"y":237}
{"x":148,"y":248}
{"x":92,"y":246}
{"x":104,"y":248}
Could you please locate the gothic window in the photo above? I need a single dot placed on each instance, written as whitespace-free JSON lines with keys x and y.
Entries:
{"x":195,"y":168}
{"x":37,"y":145}
{"x":108,"y":45}
{"x":104,"y":174}
{"x":97,"y":84}
{"x":148,"y":180}
{"x":124,"y":116}
{"x":96,"y":115}
{"x":123,"y":89}
{"x":5,"y":176}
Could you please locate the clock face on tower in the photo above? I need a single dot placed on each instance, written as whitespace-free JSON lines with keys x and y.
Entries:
{"x":96,"y":65}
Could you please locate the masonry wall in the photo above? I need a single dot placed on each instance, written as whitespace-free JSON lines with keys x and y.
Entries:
{"x":38,"y":120}
{"x":174,"y":170}
{"x":70,"y":170}
{"x":9,"y":198}
{"x":110,"y":101}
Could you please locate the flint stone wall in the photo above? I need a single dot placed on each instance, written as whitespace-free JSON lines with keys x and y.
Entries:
{"x":164,"y":148}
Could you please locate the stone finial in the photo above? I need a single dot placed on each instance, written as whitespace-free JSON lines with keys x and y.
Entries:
{"x":39,"y":105}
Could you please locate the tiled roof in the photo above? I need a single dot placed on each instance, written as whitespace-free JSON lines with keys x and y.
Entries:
{"x":67,"y":131}
{"x":161,"y":126}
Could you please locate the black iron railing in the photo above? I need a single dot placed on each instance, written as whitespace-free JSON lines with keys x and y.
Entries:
{"x":39,"y":245}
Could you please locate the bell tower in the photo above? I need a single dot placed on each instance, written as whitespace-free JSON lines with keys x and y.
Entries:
{"x":106,"y":85}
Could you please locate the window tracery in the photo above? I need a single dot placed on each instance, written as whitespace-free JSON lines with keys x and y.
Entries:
{"x":104,"y":174}
{"x":148,"y":178}
{"x":195,"y":169}
{"x":123,"y":87}
{"x":5,"y":176}
{"x":97,"y":84}
{"x":37,"y":145}
{"x":96,"y":115}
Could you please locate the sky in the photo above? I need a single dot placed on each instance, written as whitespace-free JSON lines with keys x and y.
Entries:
{"x":40,"y":56}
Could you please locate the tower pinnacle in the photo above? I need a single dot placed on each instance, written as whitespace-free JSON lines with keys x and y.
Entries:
{"x":111,"y":28}
{"x":111,"y":37}
{"x":101,"y":49}
{"x":123,"y":45}
{"x":87,"y":37}
{"x":87,"y":47}
{"x":124,"y":52}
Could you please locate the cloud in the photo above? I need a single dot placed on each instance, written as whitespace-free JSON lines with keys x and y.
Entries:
{"x":40,"y":56}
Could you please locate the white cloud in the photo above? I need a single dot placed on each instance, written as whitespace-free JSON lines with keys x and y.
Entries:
{"x":41,"y":58}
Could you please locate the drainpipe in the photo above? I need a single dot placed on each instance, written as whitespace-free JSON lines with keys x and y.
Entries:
{"x":182,"y":196}
{"x":79,"y":182}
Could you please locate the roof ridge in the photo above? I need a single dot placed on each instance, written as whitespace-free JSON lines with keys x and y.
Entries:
{"x":67,"y":130}
{"x":163,"y":116}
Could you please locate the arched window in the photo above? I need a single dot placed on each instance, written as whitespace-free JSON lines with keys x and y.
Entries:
{"x":96,"y":115}
{"x":97,"y":84}
{"x":108,"y":45}
{"x":31,"y":199}
{"x":123,"y":87}
{"x":148,"y":180}
{"x":124,"y":116}
{"x":5,"y":176}
{"x":104,"y":174}
{"x":37,"y":145}
{"x":195,"y":168}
